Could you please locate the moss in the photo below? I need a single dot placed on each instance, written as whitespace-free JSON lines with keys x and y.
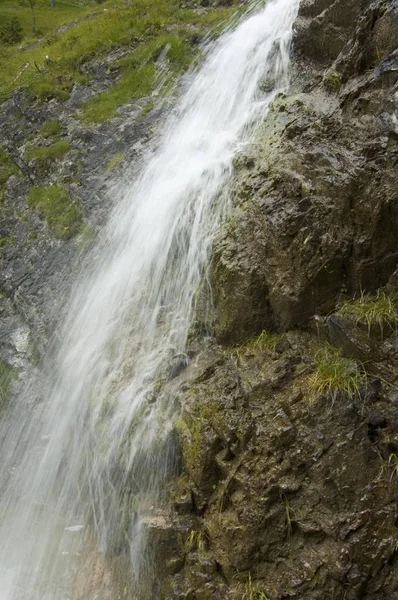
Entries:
{"x":114,"y":161}
{"x":7,"y":168}
{"x":47,"y":155}
{"x":7,"y":374}
{"x":55,"y":205}
{"x":7,"y":240}
{"x":332,"y":80}
{"x":50,"y":128}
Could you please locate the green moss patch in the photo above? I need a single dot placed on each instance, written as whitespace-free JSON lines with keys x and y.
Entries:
{"x":55,"y":204}
{"x":7,"y":168}
{"x":7,"y":374}
{"x":7,"y":240}
{"x":114,"y":161}
{"x":50,"y":128}
{"x":46,"y":155}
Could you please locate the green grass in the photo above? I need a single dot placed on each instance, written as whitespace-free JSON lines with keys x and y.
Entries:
{"x":264,"y":342}
{"x":380,"y":310}
{"x":50,"y":128}
{"x":253,"y":591}
{"x":55,"y":205}
{"x":333,"y":375}
{"x":47,"y":155}
{"x":143,"y":28}
{"x":47,"y":19}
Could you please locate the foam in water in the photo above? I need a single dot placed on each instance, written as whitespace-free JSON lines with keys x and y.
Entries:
{"x":96,"y":450}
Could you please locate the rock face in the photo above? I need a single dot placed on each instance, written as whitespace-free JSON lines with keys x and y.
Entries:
{"x":296,"y":495}
{"x":316,"y":198}
{"x":287,"y":491}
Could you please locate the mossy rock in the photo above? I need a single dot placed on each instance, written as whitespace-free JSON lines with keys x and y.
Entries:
{"x":55,"y":204}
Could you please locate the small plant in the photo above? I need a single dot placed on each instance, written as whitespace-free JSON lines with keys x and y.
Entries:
{"x":393,"y":464}
{"x":50,"y":128}
{"x":12,"y":32}
{"x":55,"y":205}
{"x":262,"y":343}
{"x":332,"y":80}
{"x":289,"y":515}
{"x":253,"y":592}
{"x":333,"y":375}
{"x":195,"y":541}
{"x":380,"y":311}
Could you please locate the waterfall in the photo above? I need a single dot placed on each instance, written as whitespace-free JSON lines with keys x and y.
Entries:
{"x":92,"y":446}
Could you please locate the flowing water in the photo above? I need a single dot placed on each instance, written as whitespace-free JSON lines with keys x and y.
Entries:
{"x":97,"y":447}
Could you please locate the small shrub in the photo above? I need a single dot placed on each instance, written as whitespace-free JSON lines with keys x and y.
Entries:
{"x":12,"y":32}
{"x":55,"y":205}
{"x":333,"y":374}
{"x":50,"y":128}
{"x":46,"y":155}
{"x":380,"y":311}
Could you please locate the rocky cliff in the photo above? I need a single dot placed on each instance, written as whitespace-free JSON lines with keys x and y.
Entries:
{"x":289,"y":439}
{"x":288,"y":434}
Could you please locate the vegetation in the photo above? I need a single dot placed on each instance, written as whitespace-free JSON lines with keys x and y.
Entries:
{"x":253,"y":592}
{"x":50,"y":128}
{"x":114,"y":161}
{"x":147,"y":31}
{"x":332,"y":81}
{"x":379,"y":311}
{"x":195,"y":541}
{"x":7,"y":168}
{"x":7,"y":240}
{"x":7,"y":374}
{"x":11,"y":32}
{"x":46,"y":155}
{"x":55,"y":205}
{"x":264,"y":342}
{"x":46,"y":20}
{"x":333,"y":375}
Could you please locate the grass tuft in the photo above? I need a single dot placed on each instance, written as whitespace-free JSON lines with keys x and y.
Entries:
{"x":50,"y":128}
{"x":379,"y":311}
{"x":333,"y":375}
{"x":253,"y":592}
{"x":55,"y":205}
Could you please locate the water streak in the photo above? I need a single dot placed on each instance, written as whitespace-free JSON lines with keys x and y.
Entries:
{"x":99,"y":446}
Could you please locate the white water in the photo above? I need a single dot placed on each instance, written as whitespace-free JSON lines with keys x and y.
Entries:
{"x":98,"y":447}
